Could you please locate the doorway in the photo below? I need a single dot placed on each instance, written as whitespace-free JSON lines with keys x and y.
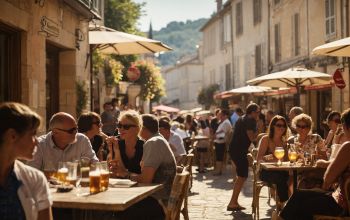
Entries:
{"x":52,"y":82}
{"x":10,"y":60}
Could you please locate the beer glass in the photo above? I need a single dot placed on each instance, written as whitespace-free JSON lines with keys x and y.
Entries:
{"x":72,"y":173}
{"x":50,"y":170}
{"x":84,"y":170}
{"x":279,"y":154}
{"x":95,"y":178}
{"x":62,"y":172}
{"x":292,"y":156}
{"x":104,"y":175}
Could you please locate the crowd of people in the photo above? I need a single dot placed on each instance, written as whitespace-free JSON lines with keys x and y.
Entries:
{"x":147,"y":148}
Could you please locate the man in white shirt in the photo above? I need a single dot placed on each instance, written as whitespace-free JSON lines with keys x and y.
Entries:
{"x":175,"y":141}
{"x":220,"y":139}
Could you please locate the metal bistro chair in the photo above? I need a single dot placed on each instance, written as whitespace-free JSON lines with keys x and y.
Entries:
{"x":347,"y":195}
{"x":257,"y":186}
{"x":178,"y":193}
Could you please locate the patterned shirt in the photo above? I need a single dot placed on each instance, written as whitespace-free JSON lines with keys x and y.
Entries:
{"x":10,"y":205}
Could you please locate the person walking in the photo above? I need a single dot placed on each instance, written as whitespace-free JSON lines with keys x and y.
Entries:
{"x":244,"y":133}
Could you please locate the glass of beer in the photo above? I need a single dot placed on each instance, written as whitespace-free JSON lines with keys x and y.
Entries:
{"x":279,"y":154}
{"x":50,"y":170}
{"x":95,"y":178}
{"x":72,"y":173}
{"x":84,"y":170}
{"x":104,"y":175}
{"x":62,"y":172}
{"x":292,"y":156}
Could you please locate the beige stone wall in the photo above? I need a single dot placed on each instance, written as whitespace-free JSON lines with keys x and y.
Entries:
{"x":26,"y":16}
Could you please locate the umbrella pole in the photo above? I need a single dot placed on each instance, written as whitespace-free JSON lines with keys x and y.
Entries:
{"x":297,"y":96}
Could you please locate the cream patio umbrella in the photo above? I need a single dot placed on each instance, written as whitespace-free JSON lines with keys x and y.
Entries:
{"x":293,"y":77}
{"x":339,"y":48}
{"x":243,"y":90}
{"x":165,"y":108}
{"x":110,"y":41}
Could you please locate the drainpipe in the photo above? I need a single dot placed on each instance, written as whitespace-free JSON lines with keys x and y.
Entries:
{"x":347,"y":33}
{"x":268,"y":37}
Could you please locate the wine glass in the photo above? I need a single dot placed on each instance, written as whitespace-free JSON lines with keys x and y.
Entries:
{"x":292,"y":156}
{"x":279,"y":154}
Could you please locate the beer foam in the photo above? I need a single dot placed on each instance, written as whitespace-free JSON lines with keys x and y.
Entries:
{"x":63,"y":170}
{"x":95,"y":173}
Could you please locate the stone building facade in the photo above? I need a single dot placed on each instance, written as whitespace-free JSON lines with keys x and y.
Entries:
{"x":44,"y":53}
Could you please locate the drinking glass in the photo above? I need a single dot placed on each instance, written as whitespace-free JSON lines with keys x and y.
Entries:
{"x":279,"y":154}
{"x":84,"y":170}
{"x":50,"y":170}
{"x":292,"y":156}
{"x":104,"y":175}
{"x":72,"y":173}
{"x":62,"y":172}
{"x":95,"y":178}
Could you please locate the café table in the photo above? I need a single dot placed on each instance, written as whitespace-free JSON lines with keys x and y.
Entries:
{"x":114,"y":199}
{"x":286,"y":166}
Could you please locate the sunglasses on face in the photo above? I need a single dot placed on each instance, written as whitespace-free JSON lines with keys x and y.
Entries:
{"x":69,"y":131}
{"x":302,"y":126}
{"x":125,"y":127}
{"x":336,"y":120}
{"x":98,"y":123}
{"x":280,"y":125}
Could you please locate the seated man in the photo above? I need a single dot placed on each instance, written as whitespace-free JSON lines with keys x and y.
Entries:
{"x":157,"y":166}
{"x":175,"y":141}
{"x":62,"y":143}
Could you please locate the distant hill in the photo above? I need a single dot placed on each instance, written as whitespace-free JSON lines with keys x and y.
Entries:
{"x":182,"y":37}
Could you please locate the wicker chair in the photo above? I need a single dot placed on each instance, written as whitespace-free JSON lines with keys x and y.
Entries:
{"x":178,"y":194}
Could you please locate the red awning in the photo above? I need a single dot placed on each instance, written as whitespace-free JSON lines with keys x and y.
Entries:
{"x":319,"y":87}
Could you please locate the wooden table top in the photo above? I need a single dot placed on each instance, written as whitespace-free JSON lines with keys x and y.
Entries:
{"x":114,"y":199}
{"x":287,"y":166}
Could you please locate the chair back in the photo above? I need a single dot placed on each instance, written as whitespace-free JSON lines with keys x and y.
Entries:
{"x":177,"y":195}
{"x":347,"y":193}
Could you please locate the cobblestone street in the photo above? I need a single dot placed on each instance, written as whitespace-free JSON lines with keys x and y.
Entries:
{"x":210,"y":195}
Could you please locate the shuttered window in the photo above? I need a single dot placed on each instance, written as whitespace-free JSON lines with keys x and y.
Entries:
{"x":257,"y":11}
{"x":277,"y":43}
{"x":330,"y":18}
{"x":239,"y":19}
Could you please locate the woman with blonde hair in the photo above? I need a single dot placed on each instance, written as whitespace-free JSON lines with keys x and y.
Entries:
{"x":276,"y":137}
{"x":126,"y":150}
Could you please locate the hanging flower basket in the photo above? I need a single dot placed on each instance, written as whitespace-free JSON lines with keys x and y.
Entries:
{"x":133,"y":73}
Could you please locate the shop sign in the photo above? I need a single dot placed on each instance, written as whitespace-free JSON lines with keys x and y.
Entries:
{"x":338,"y":79}
{"x":49,"y":27}
{"x":133,"y":73}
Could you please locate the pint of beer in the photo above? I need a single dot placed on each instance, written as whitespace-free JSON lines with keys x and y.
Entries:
{"x":62,"y":174}
{"x":104,"y":175}
{"x":95,"y":181}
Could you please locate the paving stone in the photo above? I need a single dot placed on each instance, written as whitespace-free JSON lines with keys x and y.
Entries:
{"x":210,"y":195}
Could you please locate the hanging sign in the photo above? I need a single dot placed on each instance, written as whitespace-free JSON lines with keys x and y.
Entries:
{"x":133,"y":73}
{"x":338,"y":79}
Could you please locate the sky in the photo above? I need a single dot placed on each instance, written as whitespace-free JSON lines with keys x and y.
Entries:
{"x":161,"y":12}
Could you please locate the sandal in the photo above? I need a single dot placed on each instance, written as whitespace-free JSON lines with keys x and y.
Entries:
{"x":234,"y":209}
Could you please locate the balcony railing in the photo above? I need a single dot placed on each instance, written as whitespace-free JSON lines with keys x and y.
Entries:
{"x":86,"y":6}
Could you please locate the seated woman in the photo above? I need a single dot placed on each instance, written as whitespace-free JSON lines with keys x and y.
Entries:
{"x":24,"y":191}
{"x":333,"y":121}
{"x":276,"y":137}
{"x":306,"y":203}
{"x":307,"y":144}
{"x":90,"y":124}
{"x":126,"y":150}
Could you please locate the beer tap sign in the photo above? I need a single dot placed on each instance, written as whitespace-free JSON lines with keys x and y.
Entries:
{"x":133,"y":73}
{"x":338,"y":79}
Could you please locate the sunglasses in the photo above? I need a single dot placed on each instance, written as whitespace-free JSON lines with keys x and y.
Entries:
{"x":98,"y":123}
{"x":280,"y":125}
{"x":125,"y":127}
{"x":69,"y":131}
{"x":302,"y":126}
{"x":336,"y":120}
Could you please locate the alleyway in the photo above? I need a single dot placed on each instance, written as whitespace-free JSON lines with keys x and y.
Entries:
{"x":210,"y":195}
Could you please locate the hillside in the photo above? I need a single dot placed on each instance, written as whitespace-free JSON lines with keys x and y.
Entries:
{"x":182,"y":37}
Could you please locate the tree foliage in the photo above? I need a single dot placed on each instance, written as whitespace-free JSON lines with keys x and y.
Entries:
{"x":151,"y":81}
{"x":182,"y":37}
{"x":122,"y":15}
{"x":206,"y":95}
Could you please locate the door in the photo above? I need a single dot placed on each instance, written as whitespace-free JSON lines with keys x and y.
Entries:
{"x":52,"y":82}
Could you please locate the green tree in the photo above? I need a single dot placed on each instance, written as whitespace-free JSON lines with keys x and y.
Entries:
{"x":151,"y":81}
{"x":122,"y":15}
{"x":206,"y":95}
